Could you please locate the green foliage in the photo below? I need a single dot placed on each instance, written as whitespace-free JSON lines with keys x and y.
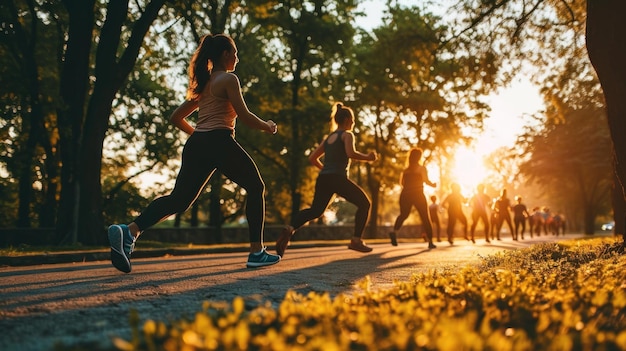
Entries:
{"x":545,"y":34}
{"x":414,"y":80}
{"x":548,"y":297}
{"x":29,"y":101}
{"x":8,"y":205}
{"x":570,"y":160}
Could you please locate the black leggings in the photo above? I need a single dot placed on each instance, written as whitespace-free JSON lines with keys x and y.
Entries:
{"x":476,"y":216}
{"x":453,"y":216}
{"x":326,"y":186}
{"x":204,"y":152}
{"x":408,"y":199}
{"x":505,"y":217}
{"x":520,"y":223}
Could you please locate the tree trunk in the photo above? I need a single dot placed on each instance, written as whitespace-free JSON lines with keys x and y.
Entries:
{"x":619,"y":206}
{"x":111,"y":71}
{"x":296,"y":154}
{"x":48,"y":210}
{"x":25,"y":176}
{"x":606,"y":45}
{"x":589,"y":218}
{"x":73,"y":90}
{"x":90,"y":220}
{"x":295,"y":162}
{"x":193,"y":221}
{"x":26,"y":42}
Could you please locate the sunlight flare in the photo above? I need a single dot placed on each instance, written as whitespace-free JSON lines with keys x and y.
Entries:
{"x":468,"y":169}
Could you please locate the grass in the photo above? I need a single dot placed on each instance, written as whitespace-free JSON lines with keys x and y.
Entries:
{"x":558,"y":296}
{"x":31,"y":250}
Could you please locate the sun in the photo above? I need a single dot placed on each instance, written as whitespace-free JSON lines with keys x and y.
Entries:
{"x":468,"y":169}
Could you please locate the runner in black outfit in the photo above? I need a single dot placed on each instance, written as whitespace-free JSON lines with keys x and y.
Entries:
{"x":433,"y":210}
{"x":520,"y":213}
{"x":479,"y":202}
{"x":503,"y":204}
{"x":413,"y":179}
{"x":339,"y":149}
{"x":454,"y":203}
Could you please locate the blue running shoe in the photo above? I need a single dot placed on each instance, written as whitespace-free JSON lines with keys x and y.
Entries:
{"x":262,"y":258}
{"x":122,"y":244}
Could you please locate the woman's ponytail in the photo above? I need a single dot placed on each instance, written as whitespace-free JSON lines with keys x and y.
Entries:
{"x":207,"y":55}
{"x":199,"y":68}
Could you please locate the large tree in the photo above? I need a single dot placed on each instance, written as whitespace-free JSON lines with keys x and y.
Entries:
{"x":122,"y":29}
{"x":570,"y":161}
{"x":85,"y":121}
{"x":606,"y":45}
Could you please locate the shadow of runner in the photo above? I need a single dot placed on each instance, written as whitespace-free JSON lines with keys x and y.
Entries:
{"x":97,"y":301}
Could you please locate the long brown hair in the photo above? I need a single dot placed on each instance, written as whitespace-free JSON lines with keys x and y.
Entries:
{"x":208,"y":53}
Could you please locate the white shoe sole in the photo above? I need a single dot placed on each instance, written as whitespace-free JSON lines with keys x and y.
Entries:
{"x":260,"y":264}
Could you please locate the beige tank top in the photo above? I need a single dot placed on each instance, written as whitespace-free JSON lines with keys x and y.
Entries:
{"x":214,"y":112}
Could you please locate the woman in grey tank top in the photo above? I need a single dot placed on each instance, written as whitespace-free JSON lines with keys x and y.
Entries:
{"x":338,"y":149}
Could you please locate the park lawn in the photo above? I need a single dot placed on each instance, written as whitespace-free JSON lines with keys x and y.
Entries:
{"x":560,"y":296}
{"x":21,"y":250}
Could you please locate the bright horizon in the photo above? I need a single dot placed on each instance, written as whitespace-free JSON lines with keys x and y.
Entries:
{"x":505,"y":123}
